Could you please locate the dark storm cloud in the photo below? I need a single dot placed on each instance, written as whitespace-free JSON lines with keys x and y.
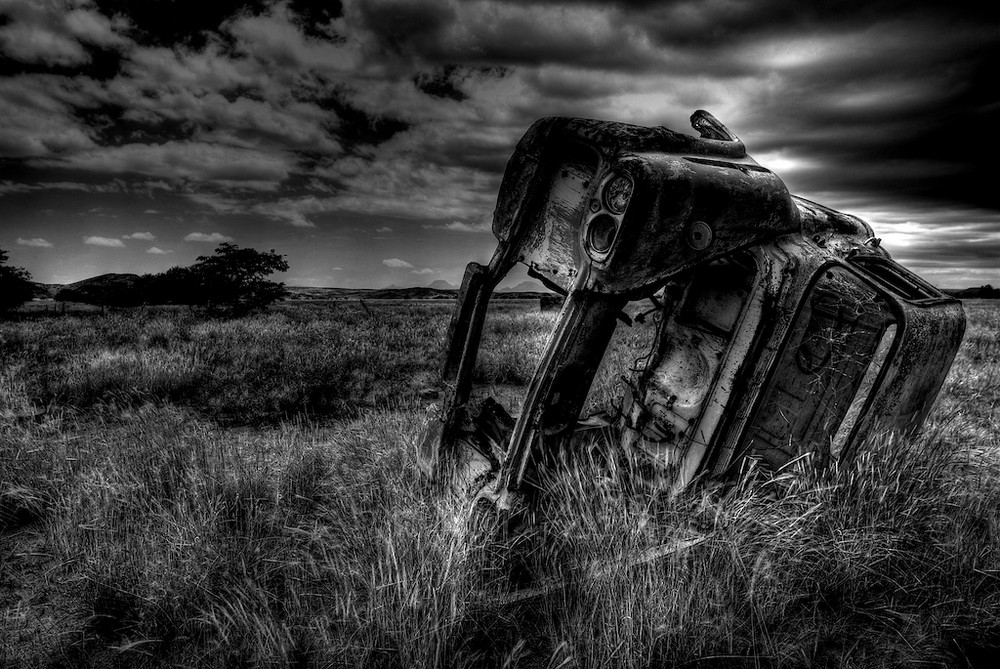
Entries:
{"x":883,"y":94}
{"x":916,"y":129}
{"x":172,"y":22}
{"x":314,"y":17}
{"x":936,"y":255}
{"x":717,"y":23}
{"x":495,"y":34}
{"x":38,"y":38}
{"x":115,"y":125}
{"x":948,"y":254}
{"x":181,"y":160}
{"x":895,"y":103}
{"x":359,"y":127}
{"x":402,"y":26}
{"x":721,"y":23}
{"x":574,"y":86}
{"x":303,"y":111}
{"x":441,"y":83}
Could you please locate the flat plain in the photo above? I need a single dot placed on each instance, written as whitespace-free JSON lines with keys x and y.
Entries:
{"x":185,"y":491}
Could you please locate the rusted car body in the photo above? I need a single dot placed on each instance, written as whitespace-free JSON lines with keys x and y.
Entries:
{"x":785,"y":327}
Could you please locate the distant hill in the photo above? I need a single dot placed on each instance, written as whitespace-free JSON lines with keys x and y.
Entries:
{"x":45,"y":291}
{"x":411,"y":294}
{"x":307,"y":293}
{"x":526,"y":287}
{"x":127,"y":290}
{"x":112,"y":289}
{"x":987,"y":292}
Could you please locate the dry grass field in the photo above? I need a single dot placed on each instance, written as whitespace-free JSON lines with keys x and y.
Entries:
{"x":178,"y":491}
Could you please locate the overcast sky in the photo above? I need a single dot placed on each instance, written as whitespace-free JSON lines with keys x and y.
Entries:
{"x":365,"y":140}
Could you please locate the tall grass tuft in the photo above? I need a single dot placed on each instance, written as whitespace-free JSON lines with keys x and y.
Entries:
{"x":176,"y":491}
{"x":298,"y":547}
{"x":256,"y":370}
{"x":886,"y":560}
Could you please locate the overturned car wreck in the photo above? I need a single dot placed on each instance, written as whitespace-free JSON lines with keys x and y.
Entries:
{"x":784,"y":328}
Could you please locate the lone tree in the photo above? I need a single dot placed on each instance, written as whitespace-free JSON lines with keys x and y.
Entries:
{"x":233,"y":279}
{"x":15,"y":285}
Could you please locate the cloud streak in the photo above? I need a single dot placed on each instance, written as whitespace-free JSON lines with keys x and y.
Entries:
{"x":108,"y":242}
{"x":36,"y":242}
{"x":211,"y":238}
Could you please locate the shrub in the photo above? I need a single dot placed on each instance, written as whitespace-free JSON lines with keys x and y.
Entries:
{"x":15,"y":285}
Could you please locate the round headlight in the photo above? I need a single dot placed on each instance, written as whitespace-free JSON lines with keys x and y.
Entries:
{"x":601,"y":233}
{"x":617,"y":193}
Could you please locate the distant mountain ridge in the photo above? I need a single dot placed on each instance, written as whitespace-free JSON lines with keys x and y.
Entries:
{"x":104,"y":287}
{"x":986,"y":292}
{"x":416,"y":293}
{"x":124,"y":289}
{"x":441,"y":284}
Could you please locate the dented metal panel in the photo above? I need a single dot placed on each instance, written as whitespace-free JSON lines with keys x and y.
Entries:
{"x":785,"y":329}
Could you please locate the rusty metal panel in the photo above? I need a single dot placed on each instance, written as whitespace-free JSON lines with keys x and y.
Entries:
{"x":840,"y":325}
{"x":814,"y":364}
